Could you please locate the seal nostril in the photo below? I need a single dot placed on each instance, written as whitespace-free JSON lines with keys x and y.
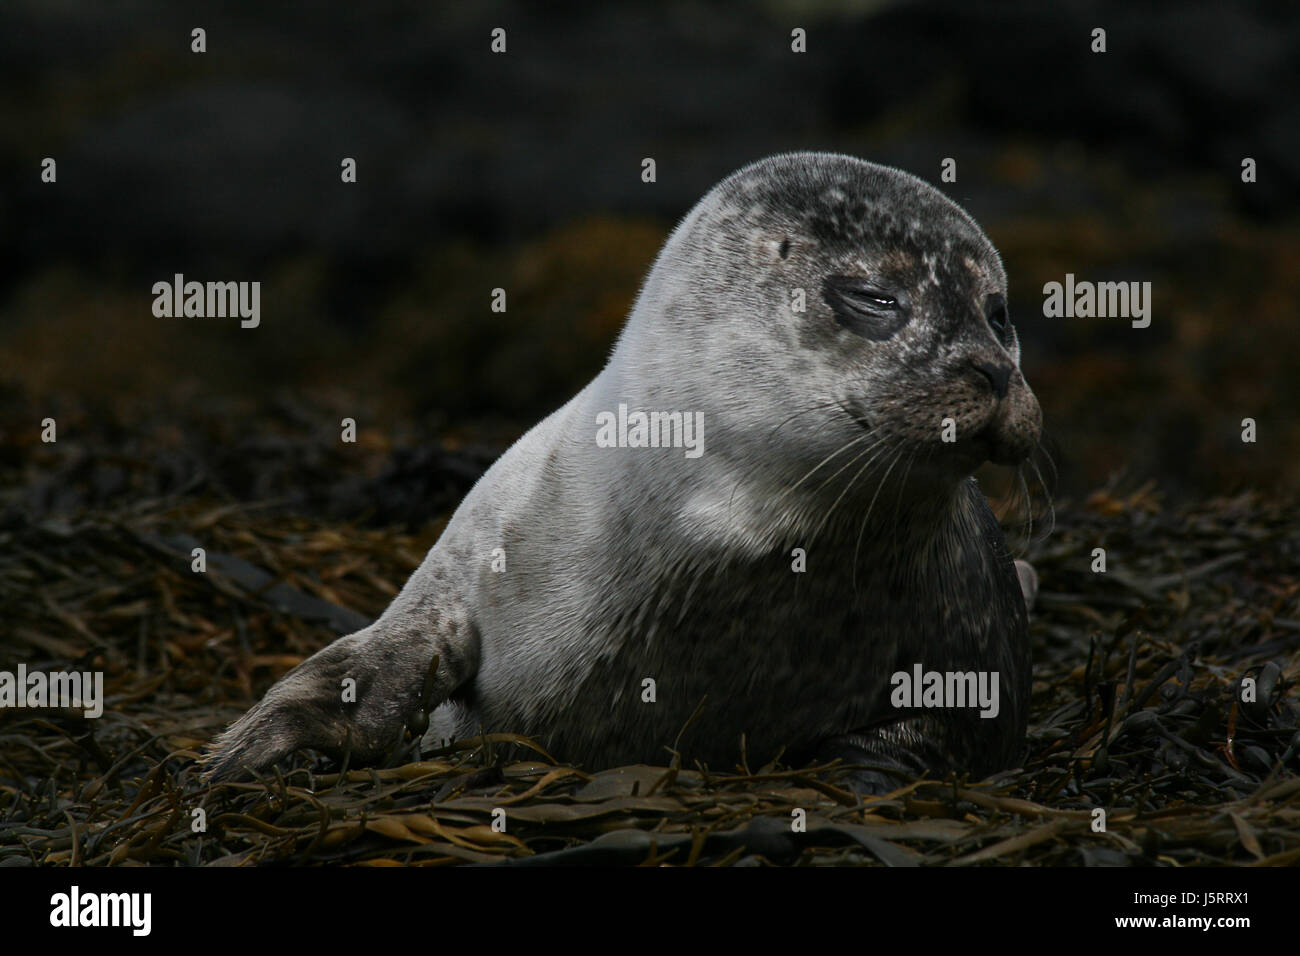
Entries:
{"x":999,"y":376}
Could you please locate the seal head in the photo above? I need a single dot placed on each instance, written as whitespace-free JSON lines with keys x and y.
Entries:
{"x":861,"y":284}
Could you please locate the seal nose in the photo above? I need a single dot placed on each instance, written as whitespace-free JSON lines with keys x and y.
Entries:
{"x":999,"y":376}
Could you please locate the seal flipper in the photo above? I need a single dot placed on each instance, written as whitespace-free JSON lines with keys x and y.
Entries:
{"x":906,"y":746}
{"x":391,"y":684}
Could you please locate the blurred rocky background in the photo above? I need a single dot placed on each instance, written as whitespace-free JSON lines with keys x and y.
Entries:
{"x":522,"y":171}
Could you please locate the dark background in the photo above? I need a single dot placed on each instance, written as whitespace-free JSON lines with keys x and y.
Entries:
{"x":523,"y":171}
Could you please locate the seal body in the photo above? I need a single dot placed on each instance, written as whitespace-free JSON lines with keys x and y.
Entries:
{"x":838,"y":331}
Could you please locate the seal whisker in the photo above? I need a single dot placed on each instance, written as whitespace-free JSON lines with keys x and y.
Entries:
{"x":1041,"y":446}
{"x":815,"y":408}
{"x":1047,"y":497}
{"x":870,"y":448}
{"x":819,"y":406}
{"x":847,"y":445}
{"x":902,"y":484}
{"x":880,"y":447}
{"x":867,"y":516}
{"x":1027,"y":503}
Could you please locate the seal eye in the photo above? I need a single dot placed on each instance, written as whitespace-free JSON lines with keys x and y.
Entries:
{"x":995,"y":313}
{"x":875,"y":300}
{"x":863,"y":307}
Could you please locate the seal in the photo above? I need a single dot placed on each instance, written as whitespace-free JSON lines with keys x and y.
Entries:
{"x":756,"y":585}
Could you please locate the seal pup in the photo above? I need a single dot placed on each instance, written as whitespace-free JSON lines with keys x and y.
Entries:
{"x":838,"y":330}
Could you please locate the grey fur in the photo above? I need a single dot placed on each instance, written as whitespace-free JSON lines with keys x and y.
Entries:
{"x":630,"y":563}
